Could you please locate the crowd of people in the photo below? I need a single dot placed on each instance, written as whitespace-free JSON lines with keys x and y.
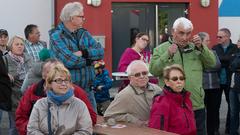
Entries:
{"x":62,"y":89}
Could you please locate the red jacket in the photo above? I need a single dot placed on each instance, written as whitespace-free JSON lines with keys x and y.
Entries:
{"x":35,"y":92}
{"x":173,"y":112}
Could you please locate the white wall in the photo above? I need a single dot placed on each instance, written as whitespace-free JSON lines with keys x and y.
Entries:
{"x":16,"y":14}
{"x":232,"y":23}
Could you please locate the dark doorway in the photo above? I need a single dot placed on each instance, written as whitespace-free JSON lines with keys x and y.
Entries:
{"x":152,"y":18}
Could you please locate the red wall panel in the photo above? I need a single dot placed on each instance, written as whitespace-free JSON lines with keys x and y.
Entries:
{"x":99,"y":19}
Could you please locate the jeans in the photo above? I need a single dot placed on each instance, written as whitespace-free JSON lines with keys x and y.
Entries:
{"x":200,"y":117}
{"x":12,"y":124}
{"x":91,"y":98}
{"x":234,"y":96}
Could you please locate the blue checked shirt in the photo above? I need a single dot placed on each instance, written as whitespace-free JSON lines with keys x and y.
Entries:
{"x":34,"y":49}
{"x":63,"y":44}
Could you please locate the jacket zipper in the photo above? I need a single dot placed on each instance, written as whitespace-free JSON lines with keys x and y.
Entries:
{"x":162,"y":122}
{"x":186,"y":119}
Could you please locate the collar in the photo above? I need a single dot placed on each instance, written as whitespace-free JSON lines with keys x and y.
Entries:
{"x":138,"y":90}
{"x":31,"y":43}
{"x":178,"y":97}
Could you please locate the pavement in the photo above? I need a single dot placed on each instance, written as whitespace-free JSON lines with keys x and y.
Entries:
{"x":223,"y":112}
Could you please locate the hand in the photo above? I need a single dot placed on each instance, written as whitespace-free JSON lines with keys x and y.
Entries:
{"x":100,"y":87}
{"x":142,"y":57}
{"x":172,"y":49}
{"x":78,"y":53}
{"x":141,"y":123}
{"x":197,"y":41}
{"x":11,"y":77}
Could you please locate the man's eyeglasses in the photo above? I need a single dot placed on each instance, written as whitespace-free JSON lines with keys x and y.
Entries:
{"x":144,"y":73}
{"x":175,"y":78}
{"x":220,"y":37}
{"x":81,"y":16}
{"x":60,"y":81}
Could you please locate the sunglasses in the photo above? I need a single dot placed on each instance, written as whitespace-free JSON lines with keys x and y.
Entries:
{"x":220,"y":37}
{"x":144,"y":73}
{"x":175,"y":78}
{"x":60,"y":81}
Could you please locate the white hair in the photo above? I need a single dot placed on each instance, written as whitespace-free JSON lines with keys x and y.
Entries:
{"x":187,"y":24}
{"x":133,"y":65}
{"x":69,"y":10}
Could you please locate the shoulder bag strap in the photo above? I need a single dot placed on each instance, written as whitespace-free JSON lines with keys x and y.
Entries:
{"x":49,"y":121}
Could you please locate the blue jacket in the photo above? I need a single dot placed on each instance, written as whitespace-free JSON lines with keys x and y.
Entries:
{"x":64,"y":43}
{"x":104,"y":80}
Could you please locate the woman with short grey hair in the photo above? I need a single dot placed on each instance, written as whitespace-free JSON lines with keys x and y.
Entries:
{"x":18,"y":63}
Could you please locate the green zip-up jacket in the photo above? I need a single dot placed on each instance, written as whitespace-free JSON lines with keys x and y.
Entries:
{"x":193,"y":62}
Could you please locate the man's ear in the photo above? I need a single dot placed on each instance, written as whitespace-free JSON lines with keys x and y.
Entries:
{"x":71,"y":18}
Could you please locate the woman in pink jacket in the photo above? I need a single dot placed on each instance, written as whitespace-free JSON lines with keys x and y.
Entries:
{"x":136,"y":52}
{"x":172,"y":109}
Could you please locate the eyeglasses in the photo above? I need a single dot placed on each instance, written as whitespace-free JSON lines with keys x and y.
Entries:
{"x":144,"y":39}
{"x":81,"y":16}
{"x":220,"y":37}
{"x":175,"y":78}
{"x":60,"y":81}
{"x":144,"y":73}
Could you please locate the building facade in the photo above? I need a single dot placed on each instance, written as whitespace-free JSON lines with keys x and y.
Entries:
{"x":114,"y":21}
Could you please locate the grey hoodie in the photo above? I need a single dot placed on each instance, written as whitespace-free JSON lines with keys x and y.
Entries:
{"x":34,"y":75}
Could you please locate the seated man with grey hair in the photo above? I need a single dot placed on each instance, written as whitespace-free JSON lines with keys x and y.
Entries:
{"x":132,"y":104}
{"x":193,"y":56}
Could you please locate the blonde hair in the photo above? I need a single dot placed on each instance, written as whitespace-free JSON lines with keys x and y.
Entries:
{"x":58,"y":68}
{"x":10,"y":43}
{"x":168,"y":69}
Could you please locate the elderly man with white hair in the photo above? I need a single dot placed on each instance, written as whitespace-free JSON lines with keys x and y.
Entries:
{"x":193,"y":56}
{"x":133,"y":103}
{"x":75,"y":47}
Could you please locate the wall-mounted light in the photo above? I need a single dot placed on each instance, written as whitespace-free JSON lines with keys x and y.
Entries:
{"x":95,"y":3}
{"x":205,"y":3}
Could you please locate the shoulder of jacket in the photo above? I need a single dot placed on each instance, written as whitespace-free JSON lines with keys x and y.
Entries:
{"x":78,"y":102}
{"x":55,"y":32}
{"x":41,"y":103}
{"x":165,"y":44}
{"x":158,"y":95}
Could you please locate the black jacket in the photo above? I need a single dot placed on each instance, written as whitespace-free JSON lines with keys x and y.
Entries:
{"x":226,"y":58}
{"x":235,"y":68}
{"x":5,"y":86}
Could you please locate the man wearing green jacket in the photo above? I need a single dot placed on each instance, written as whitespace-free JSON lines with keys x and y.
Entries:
{"x":193,"y":56}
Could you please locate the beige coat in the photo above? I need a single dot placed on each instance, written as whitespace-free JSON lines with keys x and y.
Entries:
{"x":70,"y":118}
{"x":132,"y":104}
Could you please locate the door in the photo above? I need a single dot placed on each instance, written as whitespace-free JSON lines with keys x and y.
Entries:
{"x":130,"y":18}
